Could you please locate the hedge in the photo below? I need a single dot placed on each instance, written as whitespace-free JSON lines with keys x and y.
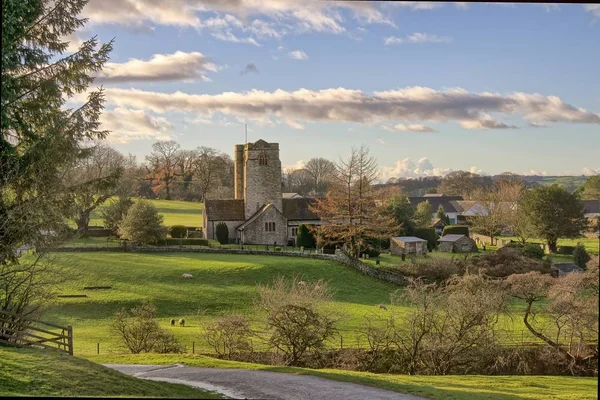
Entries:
{"x":530,"y":250}
{"x":566,"y":250}
{"x":178,"y":231}
{"x":455,"y":230}
{"x":427,"y":234}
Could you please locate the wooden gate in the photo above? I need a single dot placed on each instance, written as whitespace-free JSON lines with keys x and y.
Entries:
{"x":20,"y":331}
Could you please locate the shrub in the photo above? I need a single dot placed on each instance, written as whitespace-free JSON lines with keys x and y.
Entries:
{"x":113,"y":214}
{"x":137,"y":327}
{"x":530,"y":250}
{"x":178,"y":231}
{"x":222,"y":233}
{"x":505,"y":262}
{"x":427,"y":234}
{"x":455,"y":230}
{"x":305,"y":237}
{"x":277,"y":248}
{"x":143,"y":224}
{"x":568,"y":250}
{"x":433,"y":270}
{"x":195,"y":234}
{"x":581,"y":256}
{"x":165,"y":342}
{"x":372,"y":253}
{"x":230,"y":336}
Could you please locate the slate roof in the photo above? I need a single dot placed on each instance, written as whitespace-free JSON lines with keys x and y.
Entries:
{"x":463,"y":205}
{"x":297,"y":209}
{"x":437,"y":222}
{"x":591,"y":206}
{"x":291,"y":196}
{"x":566,"y":267}
{"x":408,"y":239}
{"x":445,"y":201}
{"x":450,"y":238}
{"x":253,"y":218}
{"x":224,"y":210}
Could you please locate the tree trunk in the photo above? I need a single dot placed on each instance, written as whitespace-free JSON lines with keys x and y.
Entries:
{"x":83,"y":222}
{"x":552,"y":245}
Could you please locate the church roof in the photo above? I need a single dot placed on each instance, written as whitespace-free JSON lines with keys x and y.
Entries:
{"x":224,"y":210}
{"x":297,"y":209}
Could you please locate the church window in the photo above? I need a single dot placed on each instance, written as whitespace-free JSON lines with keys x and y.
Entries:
{"x":294,"y":232}
{"x":263,"y":159}
{"x":270,"y":226}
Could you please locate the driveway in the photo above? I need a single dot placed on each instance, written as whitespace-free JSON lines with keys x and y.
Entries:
{"x":248,"y":384}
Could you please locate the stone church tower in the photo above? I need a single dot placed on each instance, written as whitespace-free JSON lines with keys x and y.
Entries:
{"x":257,"y":178}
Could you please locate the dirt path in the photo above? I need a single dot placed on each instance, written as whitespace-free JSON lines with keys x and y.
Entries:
{"x":248,"y":384}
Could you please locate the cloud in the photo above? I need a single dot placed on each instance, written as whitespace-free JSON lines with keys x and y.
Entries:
{"x":298,"y":55}
{"x":300,"y":164}
{"x":593,"y":9}
{"x":590,"y":171}
{"x":413,"y":128}
{"x":414,"y":105}
{"x":278,"y":17}
{"x":249,"y":68}
{"x":535,"y":124}
{"x":179,"y":66}
{"x":127,"y":125}
{"x":461,"y":5}
{"x":417,"y":5}
{"x":417,"y":38}
{"x":533,"y":172}
{"x":74,"y":42}
{"x":380,"y":141}
{"x":407,"y":168}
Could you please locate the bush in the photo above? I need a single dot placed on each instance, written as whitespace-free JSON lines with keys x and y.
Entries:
{"x":530,"y":250}
{"x":230,"y":336}
{"x":455,"y":230}
{"x":143,"y":224}
{"x":305,"y":237}
{"x":178,"y":231}
{"x":184,"y":242}
{"x":113,"y":214}
{"x":277,"y":248}
{"x":372,"y":253}
{"x":434,"y":270}
{"x":568,"y":250}
{"x":165,"y":342}
{"x":427,"y":234}
{"x":581,"y":256}
{"x":222,"y":233}
{"x":137,"y":327}
{"x":195,"y":234}
{"x":505,"y":262}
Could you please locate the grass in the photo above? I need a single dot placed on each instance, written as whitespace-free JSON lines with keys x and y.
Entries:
{"x":52,"y":373}
{"x":591,"y":244}
{"x":222,"y":284}
{"x":187,"y":213}
{"x":451,"y":387}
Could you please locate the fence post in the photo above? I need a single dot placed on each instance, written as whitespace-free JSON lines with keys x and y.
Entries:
{"x":98,"y":348}
{"x":70,"y":339}
{"x":193,"y":347}
{"x":341,"y":342}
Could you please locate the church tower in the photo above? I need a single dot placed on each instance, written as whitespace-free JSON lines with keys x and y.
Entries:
{"x":260,"y":173}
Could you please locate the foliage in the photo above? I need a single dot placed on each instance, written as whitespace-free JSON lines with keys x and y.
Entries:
{"x":137,"y":327}
{"x":531,"y":250}
{"x":567,"y":250}
{"x":505,"y":262}
{"x":142,"y":224}
{"x":166,"y":343}
{"x":40,"y":138}
{"x":427,"y":234}
{"x":423,"y":214}
{"x":230,"y":336}
{"x":350,"y":208}
{"x":554,"y":213}
{"x":222,"y":233}
{"x":178,"y":231}
{"x":403,"y":212}
{"x":455,"y":230}
{"x":305,"y":237}
{"x":581,"y":256}
{"x":441,"y":215}
{"x":463,"y":183}
{"x":434,"y":270}
{"x":295,"y":324}
{"x":591,"y":188}
{"x":113,"y":214}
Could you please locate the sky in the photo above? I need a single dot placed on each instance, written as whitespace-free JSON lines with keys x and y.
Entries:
{"x":429,"y":87}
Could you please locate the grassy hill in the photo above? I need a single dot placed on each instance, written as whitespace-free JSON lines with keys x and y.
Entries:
{"x":52,"y":373}
{"x":187,"y":213}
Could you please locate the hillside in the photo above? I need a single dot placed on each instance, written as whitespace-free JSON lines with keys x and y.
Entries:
{"x":52,"y":373}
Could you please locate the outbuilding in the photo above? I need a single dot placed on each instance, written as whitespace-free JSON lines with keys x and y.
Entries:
{"x":407,"y":245}
{"x":457,"y":244}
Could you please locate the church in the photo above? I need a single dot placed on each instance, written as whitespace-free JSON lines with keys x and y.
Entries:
{"x":260,"y":213}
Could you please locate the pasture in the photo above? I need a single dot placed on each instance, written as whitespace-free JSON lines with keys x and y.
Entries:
{"x":222,"y":284}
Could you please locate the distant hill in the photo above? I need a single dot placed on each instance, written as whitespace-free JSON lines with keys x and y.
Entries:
{"x":569,"y":182}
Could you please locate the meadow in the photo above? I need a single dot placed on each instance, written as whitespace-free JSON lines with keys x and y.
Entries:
{"x":175,"y":212}
{"x":222,"y":284}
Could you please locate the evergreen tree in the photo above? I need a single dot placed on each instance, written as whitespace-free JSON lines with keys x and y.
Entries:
{"x":222,"y":233}
{"x":305,"y":237}
{"x":441,"y":215}
{"x":423,"y":214}
{"x":143,"y":224}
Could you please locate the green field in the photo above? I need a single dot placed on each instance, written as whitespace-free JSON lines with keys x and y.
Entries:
{"x":187,"y":213}
{"x":591,"y":244}
{"x":52,"y":373}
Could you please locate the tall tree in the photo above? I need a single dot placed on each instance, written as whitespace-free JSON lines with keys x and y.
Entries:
{"x":441,"y":215}
{"x":98,"y":176}
{"x":403,"y":212}
{"x":164,"y":165}
{"x":354,"y":217}
{"x":423,"y":214}
{"x":210,"y":169}
{"x":298,"y":181}
{"x":41,"y":138}
{"x":554,"y":213}
{"x":591,"y":188}
{"x":321,"y":172}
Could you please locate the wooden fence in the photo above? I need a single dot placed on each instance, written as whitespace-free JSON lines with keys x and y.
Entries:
{"x":21,"y":331}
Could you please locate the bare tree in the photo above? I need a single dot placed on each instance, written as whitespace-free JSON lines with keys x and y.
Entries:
{"x":463,"y":183}
{"x":210,"y":169}
{"x":298,"y":181}
{"x":321,"y":172}
{"x":353,"y":216}
{"x":164,"y":165}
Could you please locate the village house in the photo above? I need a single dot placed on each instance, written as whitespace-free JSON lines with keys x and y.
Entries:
{"x":260,"y":213}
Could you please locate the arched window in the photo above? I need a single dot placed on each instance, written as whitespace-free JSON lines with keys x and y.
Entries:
{"x":263,"y":159}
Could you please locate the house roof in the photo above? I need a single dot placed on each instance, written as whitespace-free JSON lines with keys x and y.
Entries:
{"x":444,"y":201}
{"x":254,"y":216}
{"x":291,"y":196}
{"x":298,"y":209}
{"x":566,"y":267}
{"x":408,"y":239}
{"x":437,"y":222}
{"x":224,"y":210}
{"x":450,"y":238}
{"x":591,"y":206}
{"x":463,"y":205}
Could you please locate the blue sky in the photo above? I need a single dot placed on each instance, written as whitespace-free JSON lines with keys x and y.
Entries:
{"x":405,"y":64}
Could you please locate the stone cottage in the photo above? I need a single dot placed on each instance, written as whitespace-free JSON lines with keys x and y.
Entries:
{"x":407,"y":245}
{"x":457,"y":244}
{"x":260,"y":212}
